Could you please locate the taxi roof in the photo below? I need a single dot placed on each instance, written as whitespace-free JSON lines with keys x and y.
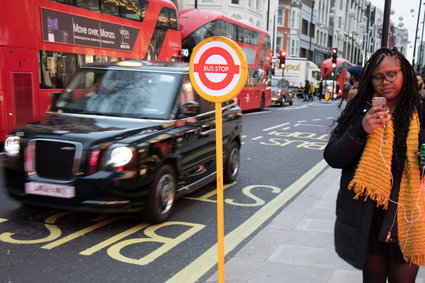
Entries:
{"x":136,"y":65}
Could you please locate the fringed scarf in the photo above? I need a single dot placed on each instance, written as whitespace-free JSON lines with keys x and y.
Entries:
{"x":373,"y":179}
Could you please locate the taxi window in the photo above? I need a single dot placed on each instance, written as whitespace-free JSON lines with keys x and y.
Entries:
{"x":188,"y":94}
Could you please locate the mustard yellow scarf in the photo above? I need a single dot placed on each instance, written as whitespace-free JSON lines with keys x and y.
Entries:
{"x":373,"y":179}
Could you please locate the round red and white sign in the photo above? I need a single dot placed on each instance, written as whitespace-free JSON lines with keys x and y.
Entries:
{"x":218,"y":69}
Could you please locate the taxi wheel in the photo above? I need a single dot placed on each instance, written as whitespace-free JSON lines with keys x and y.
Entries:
{"x":161,"y":195}
{"x":231,"y":164}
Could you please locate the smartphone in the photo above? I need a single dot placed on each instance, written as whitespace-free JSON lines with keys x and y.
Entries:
{"x":378,"y":101}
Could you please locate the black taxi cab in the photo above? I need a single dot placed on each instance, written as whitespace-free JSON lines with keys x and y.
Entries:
{"x":128,"y":136}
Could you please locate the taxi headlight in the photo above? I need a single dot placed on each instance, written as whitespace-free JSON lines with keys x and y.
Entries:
{"x":120,"y":156}
{"x":12,"y":145}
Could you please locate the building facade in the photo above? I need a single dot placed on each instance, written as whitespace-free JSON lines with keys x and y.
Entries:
{"x":311,"y":28}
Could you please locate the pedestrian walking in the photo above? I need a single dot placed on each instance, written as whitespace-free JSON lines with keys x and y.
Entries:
{"x":355,"y":75}
{"x":420,"y":84}
{"x":320,"y":90}
{"x":380,"y":223}
{"x":344,"y":95}
{"x":306,"y":90}
{"x":312,"y":92}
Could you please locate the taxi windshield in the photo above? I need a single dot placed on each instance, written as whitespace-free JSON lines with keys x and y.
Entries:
{"x":123,"y":93}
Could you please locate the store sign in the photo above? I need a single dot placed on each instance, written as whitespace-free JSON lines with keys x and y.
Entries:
{"x":64,"y":28}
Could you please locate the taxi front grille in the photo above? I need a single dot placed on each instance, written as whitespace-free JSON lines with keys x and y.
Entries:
{"x":52,"y":159}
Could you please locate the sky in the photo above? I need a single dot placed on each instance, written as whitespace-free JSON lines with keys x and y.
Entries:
{"x":402,"y":8}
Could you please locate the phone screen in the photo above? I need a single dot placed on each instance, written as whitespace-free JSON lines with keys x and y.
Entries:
{"x":378,"y":101}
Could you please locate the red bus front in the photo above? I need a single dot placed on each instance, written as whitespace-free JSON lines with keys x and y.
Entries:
{"x":340,"y":73}
{"x":196,"y":25}
{"x":44,"y":42}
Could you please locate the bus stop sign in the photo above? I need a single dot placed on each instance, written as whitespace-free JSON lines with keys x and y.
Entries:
{"x":218,"y":69}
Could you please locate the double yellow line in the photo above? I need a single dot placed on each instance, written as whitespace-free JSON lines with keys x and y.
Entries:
{"x":208,"y":259}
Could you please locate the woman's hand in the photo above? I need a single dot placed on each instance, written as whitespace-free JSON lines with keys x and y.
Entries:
{"x":376,"y":117}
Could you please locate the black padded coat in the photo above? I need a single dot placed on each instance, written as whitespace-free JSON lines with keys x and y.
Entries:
{"x":353,"y":217}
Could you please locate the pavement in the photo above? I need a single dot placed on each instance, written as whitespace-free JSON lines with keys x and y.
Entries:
{"x":297,"y":245}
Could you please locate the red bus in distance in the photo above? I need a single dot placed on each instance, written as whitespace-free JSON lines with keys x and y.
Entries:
{"x":43,"y":43}
{"x":340,"y":74}
{"x":196,"y":25}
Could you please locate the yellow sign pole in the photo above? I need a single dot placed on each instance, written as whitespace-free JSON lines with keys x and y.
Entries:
{"x":220,"y":193}
{"x":232,"y":70}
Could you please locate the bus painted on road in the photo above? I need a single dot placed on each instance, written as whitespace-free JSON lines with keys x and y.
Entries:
{"x":43,"y":42}
{"x":197,"y":24}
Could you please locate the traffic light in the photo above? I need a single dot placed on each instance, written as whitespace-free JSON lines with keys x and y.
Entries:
{"x":334,"y":52}
{"x":282,"y":57}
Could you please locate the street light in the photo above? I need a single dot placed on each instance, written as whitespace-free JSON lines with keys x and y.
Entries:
{"x":311,"y":35}
{"x":416,"y":34}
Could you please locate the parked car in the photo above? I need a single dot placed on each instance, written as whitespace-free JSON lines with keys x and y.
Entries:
{"x":128,"y":136}
{"x":280,"y":91}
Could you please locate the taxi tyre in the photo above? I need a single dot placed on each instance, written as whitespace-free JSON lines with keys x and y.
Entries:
{"x":232,"y":164}
{"x":162,"y":195}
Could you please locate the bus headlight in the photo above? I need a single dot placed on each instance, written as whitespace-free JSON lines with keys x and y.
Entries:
{"x":12,"y":145}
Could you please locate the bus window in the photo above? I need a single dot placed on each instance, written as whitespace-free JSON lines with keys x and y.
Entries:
{"x":164,"y":18}
{"x":173,"y":19}
{"x":132,"y":11}
{"x":109,"y":7}
{"x":167,"y":19}
{"x":229,"y":30}
{"x":88,"y":4}
{"x":66,"y":1}
{"x":57,"y":68}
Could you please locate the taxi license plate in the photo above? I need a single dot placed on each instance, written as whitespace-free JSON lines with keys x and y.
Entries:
{"x":52,"y":190}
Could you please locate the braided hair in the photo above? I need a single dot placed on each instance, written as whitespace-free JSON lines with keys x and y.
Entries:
{"x":408,"y":102}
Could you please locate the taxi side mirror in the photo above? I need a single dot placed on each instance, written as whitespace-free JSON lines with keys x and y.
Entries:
{"x":53,"y":100}
{"x":190,"y":108}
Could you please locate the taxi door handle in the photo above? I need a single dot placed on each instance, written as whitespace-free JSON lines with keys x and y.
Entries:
{"x":206,"y":130}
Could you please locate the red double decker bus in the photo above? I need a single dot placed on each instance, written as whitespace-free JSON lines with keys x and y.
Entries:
{"x":196,"y":25}
{"x":43,"y":42}
{"x":339,"y":74}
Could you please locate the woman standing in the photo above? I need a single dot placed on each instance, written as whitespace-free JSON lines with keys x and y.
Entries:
{"x":380,"y":214}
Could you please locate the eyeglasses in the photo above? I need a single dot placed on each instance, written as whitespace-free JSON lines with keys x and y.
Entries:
{"x":389,"y":77}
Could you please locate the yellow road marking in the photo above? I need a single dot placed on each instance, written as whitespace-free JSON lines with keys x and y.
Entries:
{"x":208,"y":259}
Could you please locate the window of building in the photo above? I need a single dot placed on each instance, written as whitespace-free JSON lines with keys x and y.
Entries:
{"x":295,"y":20}
{"x":279,"y":43}
{"x":294,"y":47}
{"x":207,"y":1}
{"x":280,"y":17}
{"x":304,"y":27}
{"x":235,"y":2}
{"x":312,"y":29}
